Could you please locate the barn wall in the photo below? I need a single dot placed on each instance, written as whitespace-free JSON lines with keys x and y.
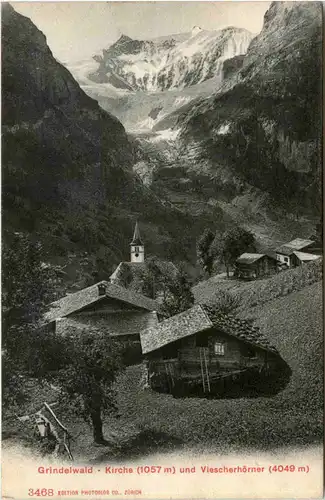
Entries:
{"x":262,"y":267}
{"x":190,"y":351}
{"x":282,"y":259}
{"x":124,"y":323}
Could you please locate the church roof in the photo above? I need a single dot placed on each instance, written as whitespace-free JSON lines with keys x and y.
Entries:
{"x":130,"y":274}
{"x":76,"y":301}
{"x":136,"y":236}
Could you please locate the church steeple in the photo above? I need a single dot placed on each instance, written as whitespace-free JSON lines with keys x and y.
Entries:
{"x":137,"y":246}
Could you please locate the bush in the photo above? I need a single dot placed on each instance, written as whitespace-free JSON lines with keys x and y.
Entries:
{"x":223,"y":301}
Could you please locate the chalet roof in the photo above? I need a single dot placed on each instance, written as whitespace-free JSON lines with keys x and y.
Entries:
{"x":296,"y":244}
{"x":198,"y":319}
{"x":76,"y":301}
{"x":306,"y":256}
{"x":182,"y":325}
{"x":136,"y":236}
{"x":239,"y":328}
{"x":249,"y":258}
{"x":129,"y":274}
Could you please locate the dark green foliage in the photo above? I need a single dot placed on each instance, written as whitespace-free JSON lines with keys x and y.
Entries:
{"x":153,"y":280}
{"x":28,"y":285}
{"x":223,"y":301}
{"x":204,"y":253}
{"x":174,"y":290}
{"x":12,"y":386}
{"x":93,"y":361}
{"x":232,"y":244}
{"x":178,"y":296}
{"x":83,"y":366}
{"x":27,"y":281}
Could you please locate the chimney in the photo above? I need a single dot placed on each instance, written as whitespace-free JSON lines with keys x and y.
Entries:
{"x":101,"y":288}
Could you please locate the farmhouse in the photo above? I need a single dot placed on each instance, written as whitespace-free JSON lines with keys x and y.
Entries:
{"x":296,"y":252}
{"x":131,"y":274}
{"x":203,"y":352}
{"x":254,"y":265}
{"x":112,"y":309}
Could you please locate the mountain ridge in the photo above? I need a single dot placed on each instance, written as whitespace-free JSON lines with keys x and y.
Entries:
{"x":264,"y":122}
{"x":170,"y":62}
{"x":67,"y":165}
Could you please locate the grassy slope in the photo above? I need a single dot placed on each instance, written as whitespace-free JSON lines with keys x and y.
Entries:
{"x":152,"y":422}
{"x":293,"y":417}
{"x":252,"y":293}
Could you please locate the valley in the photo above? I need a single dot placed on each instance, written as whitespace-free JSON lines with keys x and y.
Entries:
{"x":216,"y":128}
{"x":186,"y":131}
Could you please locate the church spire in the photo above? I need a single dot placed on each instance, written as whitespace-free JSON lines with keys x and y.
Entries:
{"x":137,"y":247}
{"x":136,"y":236}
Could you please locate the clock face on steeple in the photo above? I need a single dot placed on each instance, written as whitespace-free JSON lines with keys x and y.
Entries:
{"x":137,"y":247}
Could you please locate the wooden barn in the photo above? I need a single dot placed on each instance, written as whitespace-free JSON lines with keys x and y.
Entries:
{"x":112,"y":309}
{"x":255,"y":265}
{"x":204,"y":353}
{"x":296,"y":252}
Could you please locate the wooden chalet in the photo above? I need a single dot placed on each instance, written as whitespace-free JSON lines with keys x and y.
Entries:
{"x":296,"y":252}
{"x":204,"y":353}
{"x":112,"y":309}
{"x":255,"y":265}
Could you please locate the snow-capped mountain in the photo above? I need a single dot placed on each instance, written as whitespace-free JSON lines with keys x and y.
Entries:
{"x":169,"y":63}
{"x":143,"y":81}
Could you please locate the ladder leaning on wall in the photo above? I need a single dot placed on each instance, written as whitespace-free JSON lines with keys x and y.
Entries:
{"x":204,"y":370}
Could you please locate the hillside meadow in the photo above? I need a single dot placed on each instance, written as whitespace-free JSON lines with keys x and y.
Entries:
{"x":293,"y":417}
{"x":150,"y":422}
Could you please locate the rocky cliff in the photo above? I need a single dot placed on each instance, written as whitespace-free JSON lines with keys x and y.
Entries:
{"x":255,"y":143}
{"x":264,"y":123}
{"x":51,"y":127}
{"x":142,"y":81}
{"x":251,"y":150}
{"x":67,"y":164}
{"x":173,"y":62}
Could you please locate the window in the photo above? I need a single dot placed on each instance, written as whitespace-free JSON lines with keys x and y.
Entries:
{"x":136,"y":249}
{"x":278,"y":257}
{"x":286,"y":259}
{"x":219,"y":348}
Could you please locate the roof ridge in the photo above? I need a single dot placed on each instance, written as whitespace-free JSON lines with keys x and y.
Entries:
{"x":80,"y":299}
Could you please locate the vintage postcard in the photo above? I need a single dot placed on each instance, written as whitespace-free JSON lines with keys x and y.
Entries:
{"x":162,"y":250}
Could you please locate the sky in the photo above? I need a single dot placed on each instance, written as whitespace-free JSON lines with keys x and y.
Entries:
{"x":77,"y":30}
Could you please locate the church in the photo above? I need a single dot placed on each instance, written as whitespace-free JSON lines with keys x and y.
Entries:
{"x":131,"y":274}
{"x":117,"y":307}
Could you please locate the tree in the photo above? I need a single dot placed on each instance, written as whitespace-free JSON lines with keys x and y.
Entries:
{"x":223,"y":301}
{"x":94,"y":360}
{"x":204,"y":252}
{"x":229,"y":246}
{"x":152,"y":278}
{"x":83,"y":364}
{"x":178,"y":295}
{"x":28,"y":285}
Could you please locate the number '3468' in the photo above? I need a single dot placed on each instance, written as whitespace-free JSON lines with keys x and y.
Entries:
{"x":44,"y":492}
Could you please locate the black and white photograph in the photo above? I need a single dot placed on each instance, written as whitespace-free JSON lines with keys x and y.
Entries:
{"x":162,"y":249}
